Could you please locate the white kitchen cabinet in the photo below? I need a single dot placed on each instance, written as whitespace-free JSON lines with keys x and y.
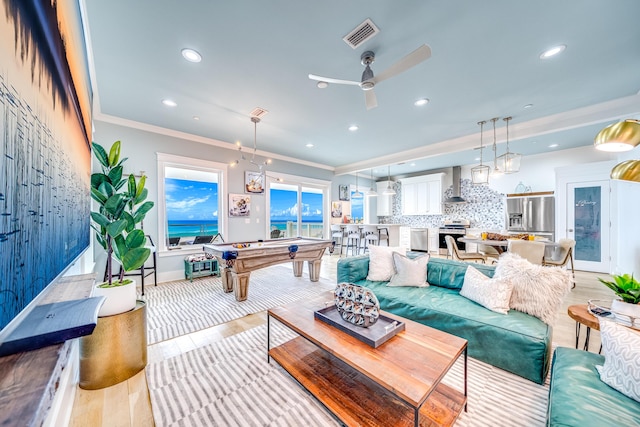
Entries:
{"x":422,"y":195}
{"x":405,"y":238}
{"x":385,"y":207}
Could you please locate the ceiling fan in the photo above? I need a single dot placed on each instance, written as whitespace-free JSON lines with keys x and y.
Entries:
{"x":368,"y":80}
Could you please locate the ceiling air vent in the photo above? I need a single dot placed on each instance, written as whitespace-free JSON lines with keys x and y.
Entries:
{"x":361,"y":34}
{"x":258,"y":112}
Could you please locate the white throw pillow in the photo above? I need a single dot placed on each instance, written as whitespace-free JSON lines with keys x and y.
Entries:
{"x":493,"y":294}
{"x":381,"y":262}
{"x":621,"y":369}
{"x":409,"y":272}
{"x":537,"y":290}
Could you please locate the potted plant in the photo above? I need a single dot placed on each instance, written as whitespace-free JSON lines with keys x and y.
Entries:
{"x":627,"y":307}
{"x":122,"y":206}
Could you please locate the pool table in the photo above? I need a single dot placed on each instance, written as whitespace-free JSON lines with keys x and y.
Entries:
{"x":240,"y":259}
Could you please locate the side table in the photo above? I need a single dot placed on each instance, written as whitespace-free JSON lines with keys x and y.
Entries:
{"x":581,"y":315}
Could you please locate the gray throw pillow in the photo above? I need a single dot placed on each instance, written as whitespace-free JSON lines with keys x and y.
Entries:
{"x":409,"y":272}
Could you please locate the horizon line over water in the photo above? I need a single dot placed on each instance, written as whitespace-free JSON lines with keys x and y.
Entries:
{"x":191,"y":228}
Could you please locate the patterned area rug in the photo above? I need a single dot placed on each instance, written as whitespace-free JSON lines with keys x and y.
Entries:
{"x":230,"y":383}
{"x":181,"y":307}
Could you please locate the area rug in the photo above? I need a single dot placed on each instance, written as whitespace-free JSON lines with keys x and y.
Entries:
{"x":230,"y":383}
{"x":181,"y":307}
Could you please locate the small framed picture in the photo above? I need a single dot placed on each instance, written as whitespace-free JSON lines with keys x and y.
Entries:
{"x":336,"y":209}
{"x":343,"y":192}
{"x":239,"y":205}
{"x":253,"y":182}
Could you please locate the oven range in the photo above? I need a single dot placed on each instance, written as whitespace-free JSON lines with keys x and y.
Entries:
{"x":455,"y":228}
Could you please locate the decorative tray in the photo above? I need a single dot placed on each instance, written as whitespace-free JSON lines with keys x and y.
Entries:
{"x":375,"y":335}
{"x":602,"y":308}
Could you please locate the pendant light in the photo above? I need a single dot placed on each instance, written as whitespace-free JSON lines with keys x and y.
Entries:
{"x":621,"y":136}
{"x":509,"y":162}
{"x":629,"y":170}
{"x":496,"y":170}
{"x":371,"y":192}
{"x":357,"y":194}
{"x":389,"y":191}
{"x":252,"y":160}
{"x":480,"y":173}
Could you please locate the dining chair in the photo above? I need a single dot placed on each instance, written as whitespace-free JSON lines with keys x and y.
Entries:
{"x":564,"y":255}
{"x":370,"y":235}
{"x":461,"y":256}
{"x":352,"y":234}
{"x":489,"y":252}
{"x":530,"y":250}
{"x":337,"y":234}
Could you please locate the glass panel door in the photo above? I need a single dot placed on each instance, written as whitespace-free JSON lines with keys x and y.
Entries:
{"x":588,"y":224}
{"x":283,"y":210}
{"x":312,"y":212}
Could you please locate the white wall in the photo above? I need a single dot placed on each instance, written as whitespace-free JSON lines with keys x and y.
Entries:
{"x":626,"y":200}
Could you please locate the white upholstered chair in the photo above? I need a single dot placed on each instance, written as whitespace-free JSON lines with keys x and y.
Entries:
{"x":530,"y":250}
{"x":337,"y":234}
{"x":370,"y":235}
{"x":352,"y":234}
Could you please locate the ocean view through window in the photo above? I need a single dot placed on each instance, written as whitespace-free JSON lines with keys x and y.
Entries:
{"x":284,"y":211}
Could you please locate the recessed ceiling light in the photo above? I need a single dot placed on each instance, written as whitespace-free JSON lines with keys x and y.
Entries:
{"x":527,"y":106}
{"x":191,"y":55}
{"x":196,"y":118}
{"x":169,"y":103}
{"x":353,"y":128}
{"x":553,"y":51}
{"x":477,"y":159}
{"x":322,"y":85}
{"x":553,"y":145}
{"x":421,"y":102}
{"x":309,"y":145}
{"x":412,"y":164}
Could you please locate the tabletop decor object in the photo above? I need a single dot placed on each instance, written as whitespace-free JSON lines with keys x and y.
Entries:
{"x":357,"y":304}
{"x":627,"y":308}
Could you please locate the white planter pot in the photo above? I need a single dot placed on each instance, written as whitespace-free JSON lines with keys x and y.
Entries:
{"x":119,"y":299}
{"x":626,"y":313}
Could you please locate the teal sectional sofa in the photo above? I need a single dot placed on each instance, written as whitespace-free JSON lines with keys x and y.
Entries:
{"x":577,"y":396}
{"x":516,"y":342}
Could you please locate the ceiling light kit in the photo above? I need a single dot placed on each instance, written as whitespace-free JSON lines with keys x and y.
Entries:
{"x":389,"y":191}
{"x":421,"y":102}
{"x":621,"y":136}
{"x":553,"y":51}
{"x":255,"y":120}
{"x":368,"y":80}
{"x":480,"y":173}
{"x":169,"y":103}
{"x":191,"y":55}
{"x":371,"y":192}
{"x":353,"y":128}
{"x":357,"y":194}
{"x":509,"y":162}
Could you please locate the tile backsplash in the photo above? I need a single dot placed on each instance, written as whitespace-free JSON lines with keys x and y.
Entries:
{"x":485,"y":208}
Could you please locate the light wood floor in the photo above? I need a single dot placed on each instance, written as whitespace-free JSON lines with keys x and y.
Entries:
{"x":128,"y":404}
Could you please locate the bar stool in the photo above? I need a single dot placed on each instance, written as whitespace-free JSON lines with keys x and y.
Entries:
{"x":352,"y":232}
{"x":383,"y":235}
{"x":337,"y":234}
{"x":371,"y":236}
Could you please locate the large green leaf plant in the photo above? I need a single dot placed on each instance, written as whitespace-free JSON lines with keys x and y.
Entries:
{"x":625,"y":286}
{"x":122,"y":207}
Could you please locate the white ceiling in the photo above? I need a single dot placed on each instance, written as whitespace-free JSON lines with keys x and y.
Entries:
{"x":485,"y":63}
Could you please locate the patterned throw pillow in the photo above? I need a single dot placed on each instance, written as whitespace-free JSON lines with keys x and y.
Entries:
{"x":493,"y":294}
{"x":621,"y":369}
{"x":537,"y":290}
{"x":381,"y":263}
{"x":409,"y":272}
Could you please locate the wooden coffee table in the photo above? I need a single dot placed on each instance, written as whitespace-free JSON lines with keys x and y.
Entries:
{"x":395,"y":384}
{"x":580,"y":313}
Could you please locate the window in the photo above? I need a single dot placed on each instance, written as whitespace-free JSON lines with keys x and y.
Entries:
{"x":296,"y":208}
{"x":190,"y":200}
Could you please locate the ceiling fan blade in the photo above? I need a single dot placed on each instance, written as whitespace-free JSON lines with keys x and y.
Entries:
{"x":370,"y":99}
{"x":411,"y":60}
{"x":331,"y":80}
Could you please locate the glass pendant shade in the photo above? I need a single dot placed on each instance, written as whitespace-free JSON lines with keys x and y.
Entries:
{"x":480,"y":173}
{"x":371,"y":192}
{"x":621,"y":136}
{"x":509,"y":162}
{"x":629,"y":170}
{"x":389,"y":191}
{"x":357,"y":194}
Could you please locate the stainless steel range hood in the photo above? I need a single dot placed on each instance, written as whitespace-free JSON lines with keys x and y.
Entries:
{"x":455,"y":197}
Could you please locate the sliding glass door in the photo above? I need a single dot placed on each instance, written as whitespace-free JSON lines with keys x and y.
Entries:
{"x":296,"y":210}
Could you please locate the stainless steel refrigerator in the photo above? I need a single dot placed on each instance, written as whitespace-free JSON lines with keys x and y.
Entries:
{"x":532,"y":214}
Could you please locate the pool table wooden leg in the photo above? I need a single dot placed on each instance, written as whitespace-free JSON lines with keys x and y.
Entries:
{"x":241,"y":285}
{"x":227,"y":280}
{"x":314,"y":270}
{"x":297,"y":268}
